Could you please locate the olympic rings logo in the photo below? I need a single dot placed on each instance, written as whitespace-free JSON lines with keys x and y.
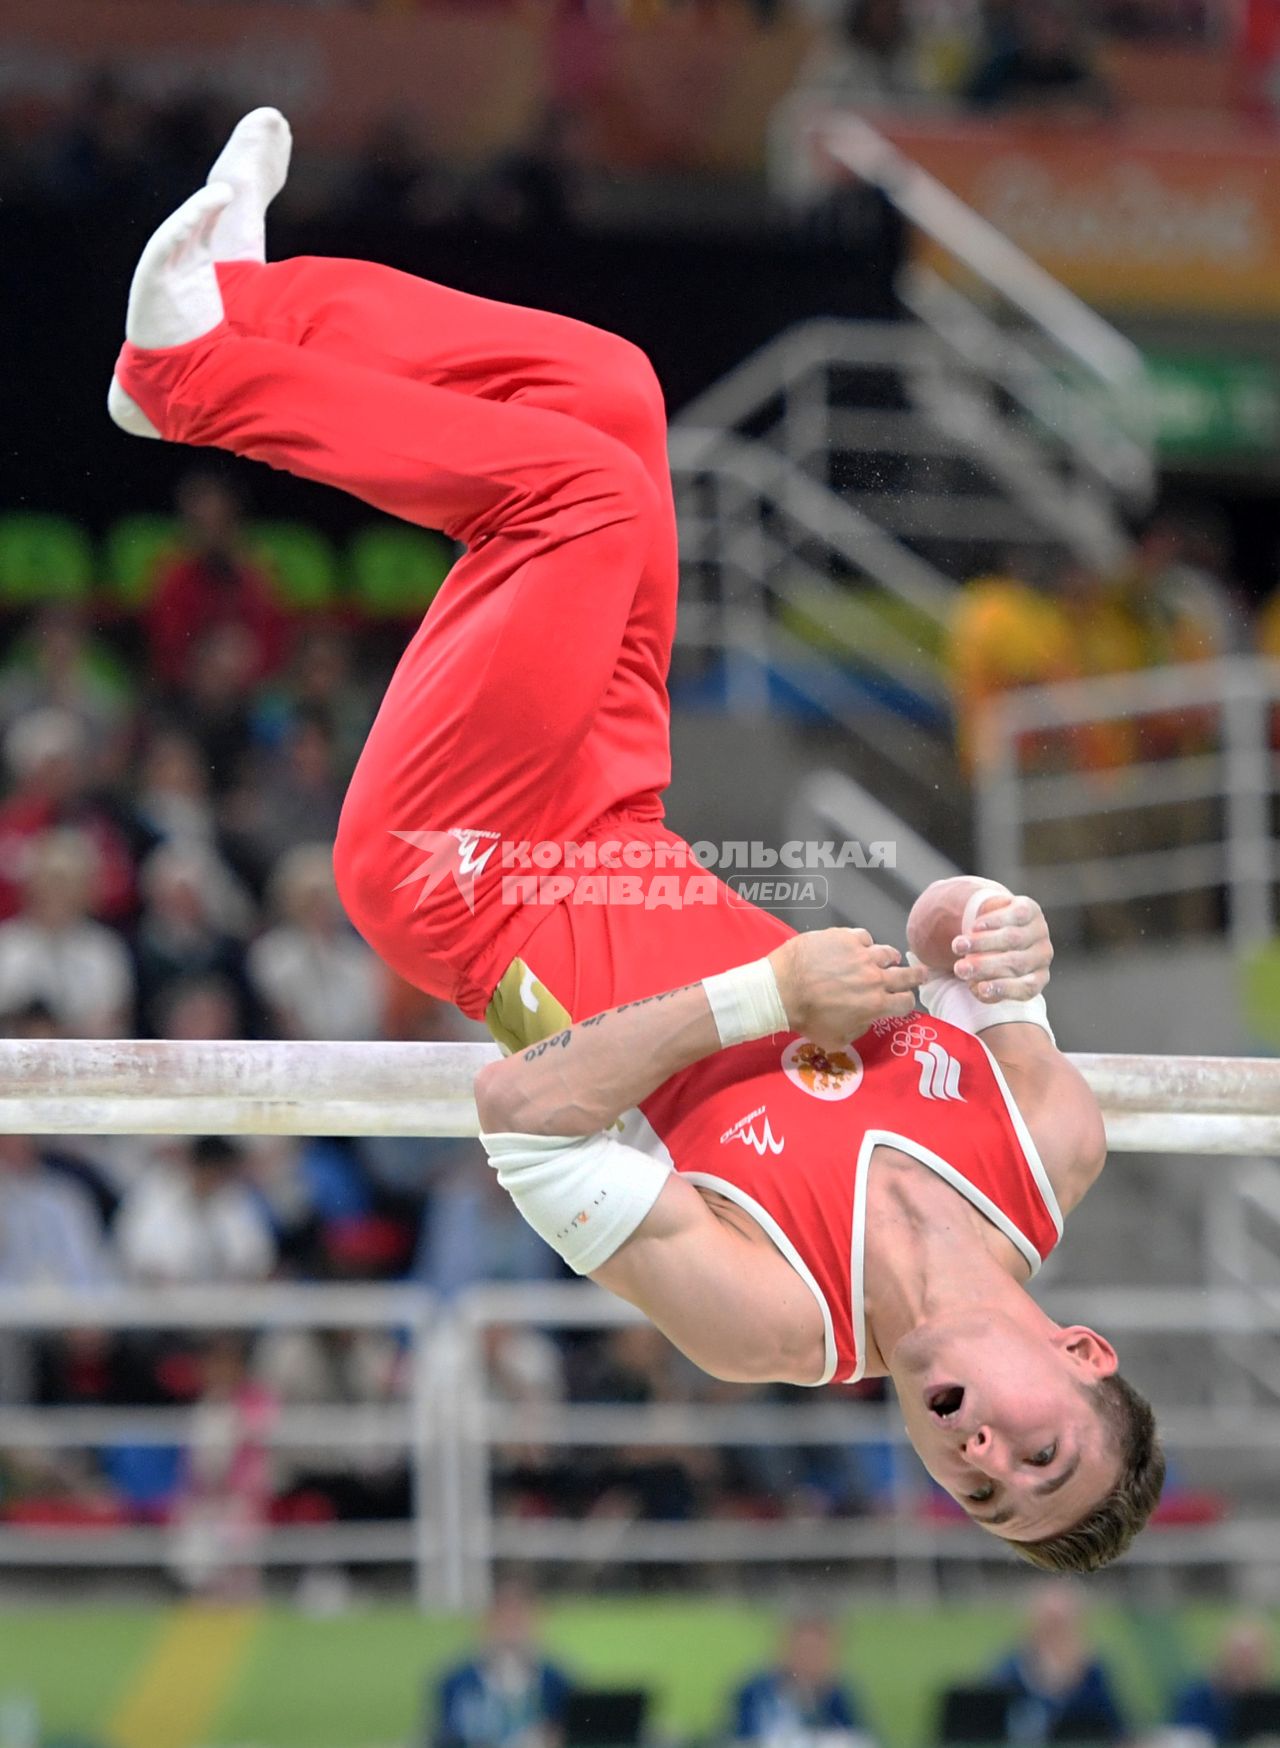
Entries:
{"x":912,"y":1037}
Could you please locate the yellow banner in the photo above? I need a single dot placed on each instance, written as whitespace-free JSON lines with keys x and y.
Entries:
{"x":1130,"y":218}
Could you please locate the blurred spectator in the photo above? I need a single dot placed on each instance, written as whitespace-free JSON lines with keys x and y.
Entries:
{"x":666,"y":1484}
{"x":812,"y":1481}
{"x":172,"y":798}
{"x":49,"y":755}
{"x":314,"y":974}
{"x":867,"y":55}
{"x":353,"y":1368}
{"x":197,"y":1008}
{"x":1243,"y":1665}
{"x":194,"y":1220}
{"x":1179,"y":608}
{"x":56,"y":665}
{"x":209,"y":585}
{"x":1035,"y":52}
{"x":1257,"y":48}
{"x":470,"y":1235}
{"x":216,"y":703}
{"x":184,"y":932}
{"x":509,"y":1695}
{"x":50,"y":1230}
{"x":1005,"y":632}
{"x":1180,"y":565}
{"x":293,"y":797}
{"x":55,"y":954}
{"x":223,"y":1500}
{"x":1060,"y":1686}
{"x":804,"y":1695}
{"x":320,"y":680}
{"x":1268,"y":626}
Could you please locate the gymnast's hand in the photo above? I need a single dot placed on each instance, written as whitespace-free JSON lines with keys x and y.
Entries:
{"x":1005,"y":953}
{"x":1006,"y":956}
{"x":835,"y":982}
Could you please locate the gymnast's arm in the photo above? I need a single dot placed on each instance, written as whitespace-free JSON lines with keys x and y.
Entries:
{"x":712,"y":1282}
{"x":833,"y":984}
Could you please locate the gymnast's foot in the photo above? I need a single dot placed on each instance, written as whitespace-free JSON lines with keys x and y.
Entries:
{"x":174,"y":297}
{"x":254,"y":163}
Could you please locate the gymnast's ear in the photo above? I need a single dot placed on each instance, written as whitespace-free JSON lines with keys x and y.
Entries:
{"x":1092,"y":1354}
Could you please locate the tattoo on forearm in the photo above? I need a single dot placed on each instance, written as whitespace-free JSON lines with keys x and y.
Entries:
{"x":562,"y":1040}
{"x":559,"y":1042}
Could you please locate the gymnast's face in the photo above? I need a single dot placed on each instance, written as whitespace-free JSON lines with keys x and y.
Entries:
{"x":1001,"y":1413}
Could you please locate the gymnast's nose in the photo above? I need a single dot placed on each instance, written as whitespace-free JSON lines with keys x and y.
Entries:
{"x":981,"y":1449}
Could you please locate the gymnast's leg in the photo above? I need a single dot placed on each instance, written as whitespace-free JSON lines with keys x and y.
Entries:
{"x":489,"y":711}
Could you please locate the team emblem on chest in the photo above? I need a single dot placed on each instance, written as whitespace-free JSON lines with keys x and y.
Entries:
{"x":823,"y":1074}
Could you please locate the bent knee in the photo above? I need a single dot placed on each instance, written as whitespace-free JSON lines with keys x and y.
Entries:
{"x":607,"y":486}
{"x":621,"y":394}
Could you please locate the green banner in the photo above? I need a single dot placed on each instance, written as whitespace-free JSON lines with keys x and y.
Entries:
{"x":1206,"y":408}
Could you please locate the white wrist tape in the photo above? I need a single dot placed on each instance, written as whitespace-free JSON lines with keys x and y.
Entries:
{"x":585,"y":1195}
{"x":745,"y":1003}
{"x":947,"y":998}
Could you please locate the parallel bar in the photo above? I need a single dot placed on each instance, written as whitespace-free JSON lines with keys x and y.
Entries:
{"x":1170,"y":1104}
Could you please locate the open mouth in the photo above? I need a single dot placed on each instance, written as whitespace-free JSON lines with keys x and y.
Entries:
{"x":945,"y":1402}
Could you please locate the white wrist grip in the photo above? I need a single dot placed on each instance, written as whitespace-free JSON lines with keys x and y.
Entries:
{"x":745,"y":1003}
{"x":947,"y":998}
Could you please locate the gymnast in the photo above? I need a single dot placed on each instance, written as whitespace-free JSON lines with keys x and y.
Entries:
{"x":802,"y":1156}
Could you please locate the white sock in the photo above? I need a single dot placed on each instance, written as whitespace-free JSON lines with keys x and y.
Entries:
{"x":126,"y":413}
{"x":174,"y":297}
{"x":254,"y":163}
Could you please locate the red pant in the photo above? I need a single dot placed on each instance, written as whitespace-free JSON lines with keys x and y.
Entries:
{"x":531,"y":705}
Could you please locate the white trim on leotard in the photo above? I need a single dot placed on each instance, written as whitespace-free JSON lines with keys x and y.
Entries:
{"x":705,"y":1180}
{"x":1047,"y":1193}
{"x":949,"y":1174}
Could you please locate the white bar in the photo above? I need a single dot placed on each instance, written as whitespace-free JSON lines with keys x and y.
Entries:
{"x":1189,"y":1104}
{"x":146,"y":1087}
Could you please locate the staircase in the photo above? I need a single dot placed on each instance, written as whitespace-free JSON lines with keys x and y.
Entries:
{"x":836,"y":487}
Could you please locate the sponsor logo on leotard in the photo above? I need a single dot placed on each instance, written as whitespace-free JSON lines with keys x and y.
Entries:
{"x":461,"y":851}
{"x":744,"y":1130}
{"x":823,"y":1074}
{"x":939,"y":1074}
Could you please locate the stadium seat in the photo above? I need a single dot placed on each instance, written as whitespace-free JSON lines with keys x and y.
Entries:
{"x":300,"y":562}
{"x":134,"y":550}
{"x":42,"y":558}
{"x":396,"y":572}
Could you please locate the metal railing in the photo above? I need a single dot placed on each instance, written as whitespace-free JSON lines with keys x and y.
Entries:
{"x":453,"y":1428}
{"x":1217,"y":794}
